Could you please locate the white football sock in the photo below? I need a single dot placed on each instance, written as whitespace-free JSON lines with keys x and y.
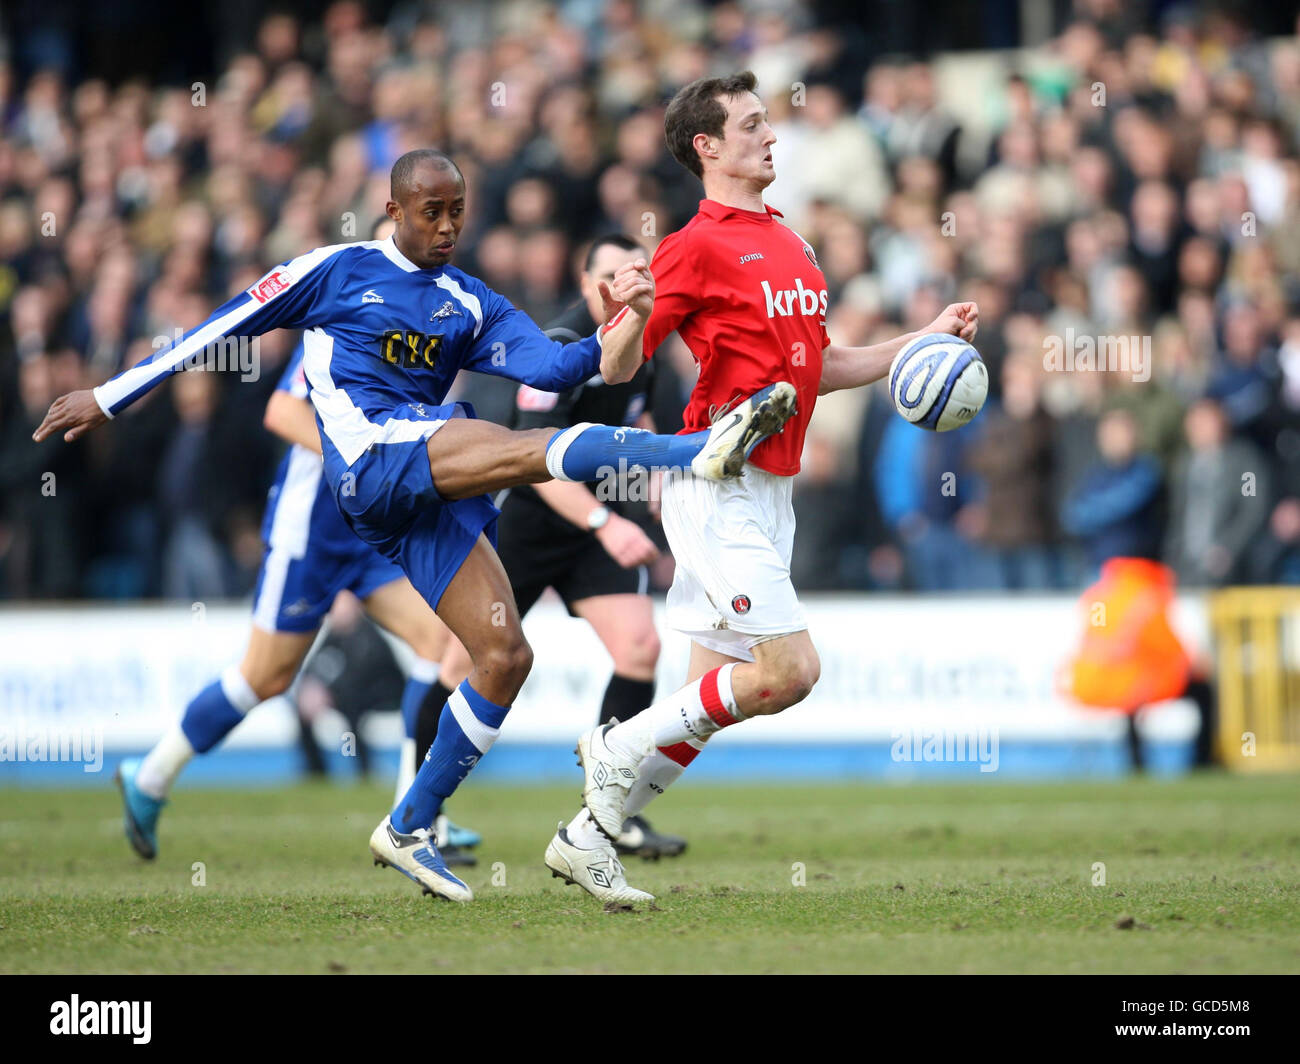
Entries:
{"x":657,"y":773}
{"x":162,"y":764}
{"x":583,"y":833}
{"x":695,"y":711}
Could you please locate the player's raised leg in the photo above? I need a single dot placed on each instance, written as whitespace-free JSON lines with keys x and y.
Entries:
{"x":468,"y":457}
{"x":479,"y":608}
{"x":269,"y":665}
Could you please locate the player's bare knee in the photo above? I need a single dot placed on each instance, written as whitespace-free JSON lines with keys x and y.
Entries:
{"x":798,"y":688}
{"x":784,"y":683}
{"x":521,"y":660}
{"x":639,"y":655}
{"x":518,"y":663}
{"x":801,"y":676}
{"x":799,"y":665}
{"x":271,"y":683}
{"x":508,"y":659}
{"x":789,"y":691}
{"x":809,"y":672}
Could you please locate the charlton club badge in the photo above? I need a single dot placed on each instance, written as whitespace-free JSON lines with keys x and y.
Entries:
{"x":807,"y":250}
{"x":740,"y":604}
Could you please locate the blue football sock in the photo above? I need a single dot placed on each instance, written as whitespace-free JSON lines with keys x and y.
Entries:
{"x":215,"y":710}
{"x":468,"y":727}
{"x":589,"y":452}
{"x":423,"y":676}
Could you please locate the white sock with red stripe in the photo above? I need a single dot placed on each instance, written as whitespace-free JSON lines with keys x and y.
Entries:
{"x":660,"y":771}
{"x":694,"y":712}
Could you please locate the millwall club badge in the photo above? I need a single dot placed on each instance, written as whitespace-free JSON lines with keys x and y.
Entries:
{"x":807,"y":250}
{"x":740,"y":604}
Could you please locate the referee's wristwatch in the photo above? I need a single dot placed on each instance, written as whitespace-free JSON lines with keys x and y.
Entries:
{"x":598,"y":518}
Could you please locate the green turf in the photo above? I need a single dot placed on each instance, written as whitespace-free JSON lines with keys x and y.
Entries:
{"x":1202,"y":875}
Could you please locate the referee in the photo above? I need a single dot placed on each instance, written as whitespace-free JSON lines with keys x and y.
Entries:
{"x":562,"y":535}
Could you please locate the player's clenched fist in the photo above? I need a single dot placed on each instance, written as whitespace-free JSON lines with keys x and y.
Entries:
{"x":624,"y":541}
{"x":960,"y":319}
{"x":77,"y":412}
{"x":633,"y":286}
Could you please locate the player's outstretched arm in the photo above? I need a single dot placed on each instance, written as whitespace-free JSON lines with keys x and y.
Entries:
{"x":512,"y":345}
{"x":285,"y":297}
{"x":853,"y":367}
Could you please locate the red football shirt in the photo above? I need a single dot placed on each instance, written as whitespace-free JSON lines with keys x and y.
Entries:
{"x":746,"y":294}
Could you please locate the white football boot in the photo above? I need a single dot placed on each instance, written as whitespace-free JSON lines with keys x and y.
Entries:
{"x":599,"y":872}
{"x":417,"y":858}
{"x":609,"y":776}
{"x":739,"y":430}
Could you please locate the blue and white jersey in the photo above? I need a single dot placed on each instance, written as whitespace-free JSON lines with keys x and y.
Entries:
{"x":301,"y":514}
{"x":379,"y":333}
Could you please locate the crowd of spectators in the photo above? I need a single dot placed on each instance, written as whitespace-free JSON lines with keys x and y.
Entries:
{"x":1134,"y":177}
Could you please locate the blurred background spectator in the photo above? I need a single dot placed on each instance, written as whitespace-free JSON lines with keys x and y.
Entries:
{"x":1085,"y":169}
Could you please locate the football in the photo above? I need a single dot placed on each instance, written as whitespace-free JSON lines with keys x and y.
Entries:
{"x":938,"y":382}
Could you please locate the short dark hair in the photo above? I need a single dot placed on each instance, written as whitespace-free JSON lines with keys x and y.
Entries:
{"x":695,"y":109}
{"x":399,"y":181}
{"x":616,"y":240}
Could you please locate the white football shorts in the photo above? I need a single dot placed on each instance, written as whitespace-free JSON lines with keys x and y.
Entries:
{"x":731,"y":540}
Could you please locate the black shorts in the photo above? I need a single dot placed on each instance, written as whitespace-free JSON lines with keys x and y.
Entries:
{"x":538,"y":552}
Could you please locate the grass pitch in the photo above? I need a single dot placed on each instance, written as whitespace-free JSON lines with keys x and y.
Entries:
{"x":1202,"y":875}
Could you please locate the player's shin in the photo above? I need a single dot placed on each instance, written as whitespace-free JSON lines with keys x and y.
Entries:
{"x":660,"y":771}
{"x":695,"y":711}
{"x":587,"y":452}
{"x":209,"y":718}
{"x":468,"y":727}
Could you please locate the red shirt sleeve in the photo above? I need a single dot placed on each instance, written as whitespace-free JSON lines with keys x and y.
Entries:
{"x":678,"y":290}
